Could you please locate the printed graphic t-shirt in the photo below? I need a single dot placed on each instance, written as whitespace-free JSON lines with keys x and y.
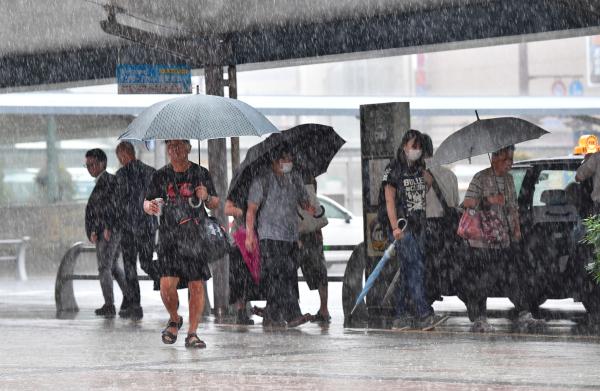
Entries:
{"x":410,"y":193}
{"x":163,"y":185}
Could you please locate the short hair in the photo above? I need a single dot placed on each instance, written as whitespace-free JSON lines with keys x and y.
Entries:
{"x":427,"y":145}
{"x":127,"y":147}
{"x":185,"y":141}
{"x":280,"y":151}
{"x":97,"y":154}
{"x":510,"y":148}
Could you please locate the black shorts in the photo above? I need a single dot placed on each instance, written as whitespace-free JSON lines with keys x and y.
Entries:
{"x":311,"y":259}
{"x":172,"y":264}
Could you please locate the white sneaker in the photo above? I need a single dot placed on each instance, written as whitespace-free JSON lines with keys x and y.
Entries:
{"x":482,"y":326}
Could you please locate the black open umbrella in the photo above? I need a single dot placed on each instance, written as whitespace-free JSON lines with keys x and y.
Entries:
{"x":313,"y":147}
{"x":484,"y":136}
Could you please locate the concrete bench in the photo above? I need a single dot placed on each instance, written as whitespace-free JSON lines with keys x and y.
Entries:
{"x":19,"y":248}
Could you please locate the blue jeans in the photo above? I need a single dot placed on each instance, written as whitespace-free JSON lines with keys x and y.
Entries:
{"x":411,"y":285}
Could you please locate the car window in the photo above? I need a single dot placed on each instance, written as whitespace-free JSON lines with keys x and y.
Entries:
{"x":518,"y":175}
{"x":551,"y":180}
{"x":332,"y":211}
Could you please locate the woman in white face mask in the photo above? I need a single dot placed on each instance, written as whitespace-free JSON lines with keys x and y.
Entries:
{"x":405,"y":187}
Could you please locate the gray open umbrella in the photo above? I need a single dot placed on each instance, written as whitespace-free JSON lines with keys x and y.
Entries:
{"x":484,"y":136}
{"x":199,"y":117}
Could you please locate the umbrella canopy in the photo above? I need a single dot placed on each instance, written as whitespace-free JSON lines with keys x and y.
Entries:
{"x":313,"y":146}
{"x":484,"y":136}
{"x":199,"y":117}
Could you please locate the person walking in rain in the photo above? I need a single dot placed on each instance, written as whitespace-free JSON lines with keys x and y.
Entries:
{"x":177,"y":193}
{"x":101,"y":229}
{"x":493,"y":264}
{"x":137,"y":228}
{"x":404,"y":184}
{"x":311,"y":260}
{"x":441,"y":244}
{"x":278,"y":193}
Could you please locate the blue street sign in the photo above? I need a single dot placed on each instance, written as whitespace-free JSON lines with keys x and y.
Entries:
{"x":154,"y":79}
{"x":576,"y":88}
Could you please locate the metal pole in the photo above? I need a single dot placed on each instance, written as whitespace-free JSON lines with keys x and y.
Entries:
{"x":523,"y":70}
{"x":235,"y":141}
{"x":52,"y":162}
{"x":217,"y":164}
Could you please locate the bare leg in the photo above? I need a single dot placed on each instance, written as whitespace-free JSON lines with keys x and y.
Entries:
{"x":168,"y":294}
{"x":196,"y":289}
{"x":323,"y":297}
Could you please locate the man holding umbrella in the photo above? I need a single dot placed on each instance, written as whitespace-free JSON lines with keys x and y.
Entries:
{"x":179,"y":193}
{"x":277,"y":193}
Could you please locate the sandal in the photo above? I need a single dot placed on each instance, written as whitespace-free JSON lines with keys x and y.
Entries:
{"x":192,"y":341}
{"x":168,"y":337}
{"x":318,"y":317}
{"x":258,"y":311}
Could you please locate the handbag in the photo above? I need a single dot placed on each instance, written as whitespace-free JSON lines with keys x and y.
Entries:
{"x":482,"y":225}
{"x":469,"y":226}
{"x":251,"y":259}
{"x":492,"y":228}
{"x":307,"y":222}
{"x":202,"y":238}
{"x":197,"y":237}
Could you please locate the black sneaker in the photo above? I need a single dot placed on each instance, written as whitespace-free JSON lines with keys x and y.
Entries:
{"x":135,"y":313}
{"x":107,"y":310}
{"x":403,"y":323}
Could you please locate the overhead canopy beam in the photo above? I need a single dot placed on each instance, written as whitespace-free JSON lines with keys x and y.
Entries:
{"x":444,"y":27}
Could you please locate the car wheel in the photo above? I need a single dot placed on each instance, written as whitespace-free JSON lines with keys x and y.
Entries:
{"x":352,"y":285}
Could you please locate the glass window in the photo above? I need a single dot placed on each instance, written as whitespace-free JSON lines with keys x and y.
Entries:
{"x":551,"y":180}
{"x":518,"y":175}
{"x":332,"y":211}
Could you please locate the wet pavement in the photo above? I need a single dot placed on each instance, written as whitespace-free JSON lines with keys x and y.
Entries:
{"x":42,"y":352}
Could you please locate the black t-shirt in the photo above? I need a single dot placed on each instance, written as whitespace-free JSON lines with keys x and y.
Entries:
{"x":410,"y":192}
{"x":178,"y":207}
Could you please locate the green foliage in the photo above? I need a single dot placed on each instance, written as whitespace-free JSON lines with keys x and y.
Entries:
{"x":592,"y":237}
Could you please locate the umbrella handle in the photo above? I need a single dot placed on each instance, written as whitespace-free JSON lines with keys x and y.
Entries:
{"x":320,"y":214}
{"x":191,"y":203}
{"x":402,"y":224}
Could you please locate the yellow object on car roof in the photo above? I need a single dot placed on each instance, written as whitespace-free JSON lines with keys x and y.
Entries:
{"x":588,"y":143}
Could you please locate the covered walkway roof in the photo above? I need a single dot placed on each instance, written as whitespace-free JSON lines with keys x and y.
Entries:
{"x":103,"y":104}
{"x":71,"y":40}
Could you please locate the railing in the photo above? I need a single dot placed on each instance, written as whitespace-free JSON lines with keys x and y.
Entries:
{"x":20,"y":248}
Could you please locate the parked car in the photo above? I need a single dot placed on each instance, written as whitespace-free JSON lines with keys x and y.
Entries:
{"x":343,"y":229}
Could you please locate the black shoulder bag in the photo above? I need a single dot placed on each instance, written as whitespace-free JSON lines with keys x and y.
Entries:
{"x":199,"y":238}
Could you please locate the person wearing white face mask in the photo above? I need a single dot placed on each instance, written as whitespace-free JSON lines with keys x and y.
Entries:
{"x":405,"y":183}
{"x":273,"y":202}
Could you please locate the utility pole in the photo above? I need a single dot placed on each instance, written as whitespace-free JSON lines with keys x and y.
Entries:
{"x":523,"y":70}
{"x":217,"y":164}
